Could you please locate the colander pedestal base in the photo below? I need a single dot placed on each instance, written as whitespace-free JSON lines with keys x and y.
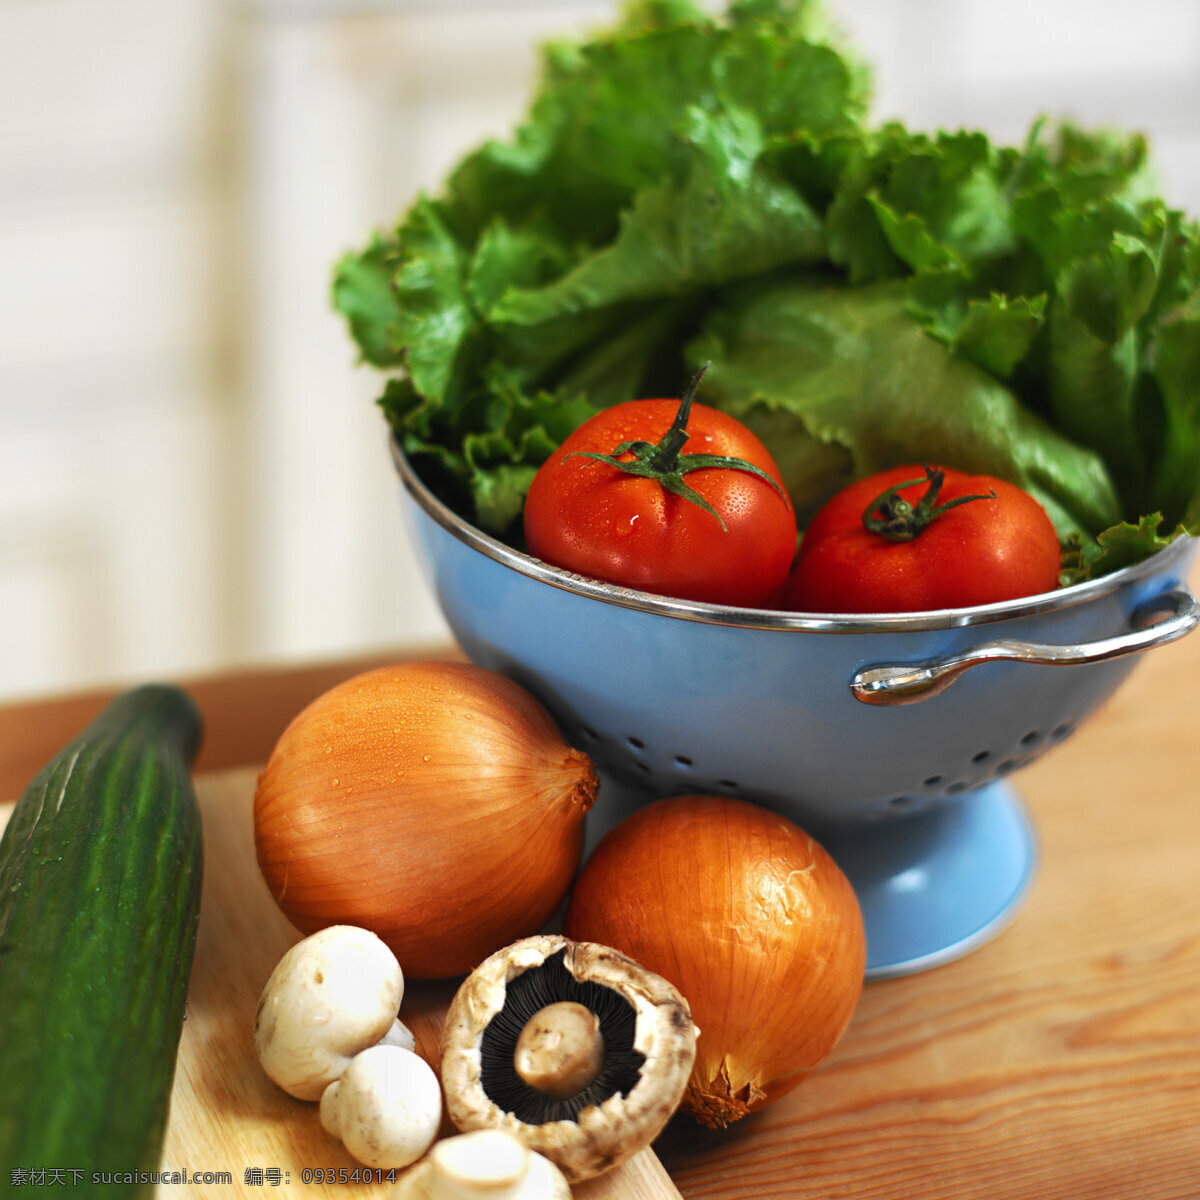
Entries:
{"x":936,"y":884}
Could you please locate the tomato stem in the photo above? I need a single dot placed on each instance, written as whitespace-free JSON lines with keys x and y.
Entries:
{"x":665,"y":455}
{"x":899,"y":520}
{"x":664,"y":462}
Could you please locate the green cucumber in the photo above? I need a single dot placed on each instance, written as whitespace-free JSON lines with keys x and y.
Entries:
{"x":100,"y":876}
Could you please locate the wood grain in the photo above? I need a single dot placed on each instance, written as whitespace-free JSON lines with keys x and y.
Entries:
{"x":225,"y":1114}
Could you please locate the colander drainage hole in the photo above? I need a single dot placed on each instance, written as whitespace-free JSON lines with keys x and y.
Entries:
{"x":1007,"y":765}
{"x":982,"y":756}
{"x":955,"y":788}
{"x":636,"y":743}
{"x":730,"y":785}
{"x":931,"y":781}
{"x":1031,"y":738}
{"x":683,"y":760}
{"x":1062,"y":731}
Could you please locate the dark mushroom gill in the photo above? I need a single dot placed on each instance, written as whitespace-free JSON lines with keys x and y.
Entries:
{"x":526,"y":995}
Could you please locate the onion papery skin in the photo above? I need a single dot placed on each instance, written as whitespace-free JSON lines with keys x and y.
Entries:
{"x":434,"y":803}
{"x":754,"y":923}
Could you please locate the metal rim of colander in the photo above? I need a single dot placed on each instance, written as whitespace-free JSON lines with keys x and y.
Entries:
{"x":755,"y":618}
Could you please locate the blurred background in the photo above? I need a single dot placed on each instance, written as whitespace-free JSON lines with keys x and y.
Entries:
{"x":193,"y":474}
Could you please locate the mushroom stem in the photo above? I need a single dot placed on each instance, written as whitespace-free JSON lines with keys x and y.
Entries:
{"x":560,"y":1050}
{"x":488,"y":1163}
{"x":399,"y":1035}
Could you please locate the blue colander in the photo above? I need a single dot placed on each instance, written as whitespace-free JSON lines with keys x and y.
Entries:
{"x":891,"y":738}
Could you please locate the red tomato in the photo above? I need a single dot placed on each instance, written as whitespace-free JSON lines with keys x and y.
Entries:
{"x":595,"y":519}
{"x":998,"y":546}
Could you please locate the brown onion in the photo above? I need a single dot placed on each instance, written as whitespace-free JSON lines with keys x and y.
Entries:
{"x":434,"y":803}
{"x":750,"y":919}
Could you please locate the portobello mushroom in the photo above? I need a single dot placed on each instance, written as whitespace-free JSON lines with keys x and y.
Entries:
{"x":573,"y":1047}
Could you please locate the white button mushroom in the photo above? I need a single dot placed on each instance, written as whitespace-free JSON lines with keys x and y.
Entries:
{"x":330,"y":996}
{"x":386,"y":1108}
{"x":486,"y":1164}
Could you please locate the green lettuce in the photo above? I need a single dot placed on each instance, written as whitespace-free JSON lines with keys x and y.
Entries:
{"x":688,"y":189}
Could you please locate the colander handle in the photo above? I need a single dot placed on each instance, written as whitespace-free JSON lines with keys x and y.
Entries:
{"x":907,"y":683}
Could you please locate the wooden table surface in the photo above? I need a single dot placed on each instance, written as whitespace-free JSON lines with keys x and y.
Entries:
{"x":1060,"y":1060}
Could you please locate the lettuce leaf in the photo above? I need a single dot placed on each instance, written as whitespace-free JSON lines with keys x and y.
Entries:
{"x":688,"y":188}
{"x":850,"y":368}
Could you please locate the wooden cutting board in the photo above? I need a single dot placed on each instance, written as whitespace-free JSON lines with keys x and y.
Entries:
{"x":226,"y":1116}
